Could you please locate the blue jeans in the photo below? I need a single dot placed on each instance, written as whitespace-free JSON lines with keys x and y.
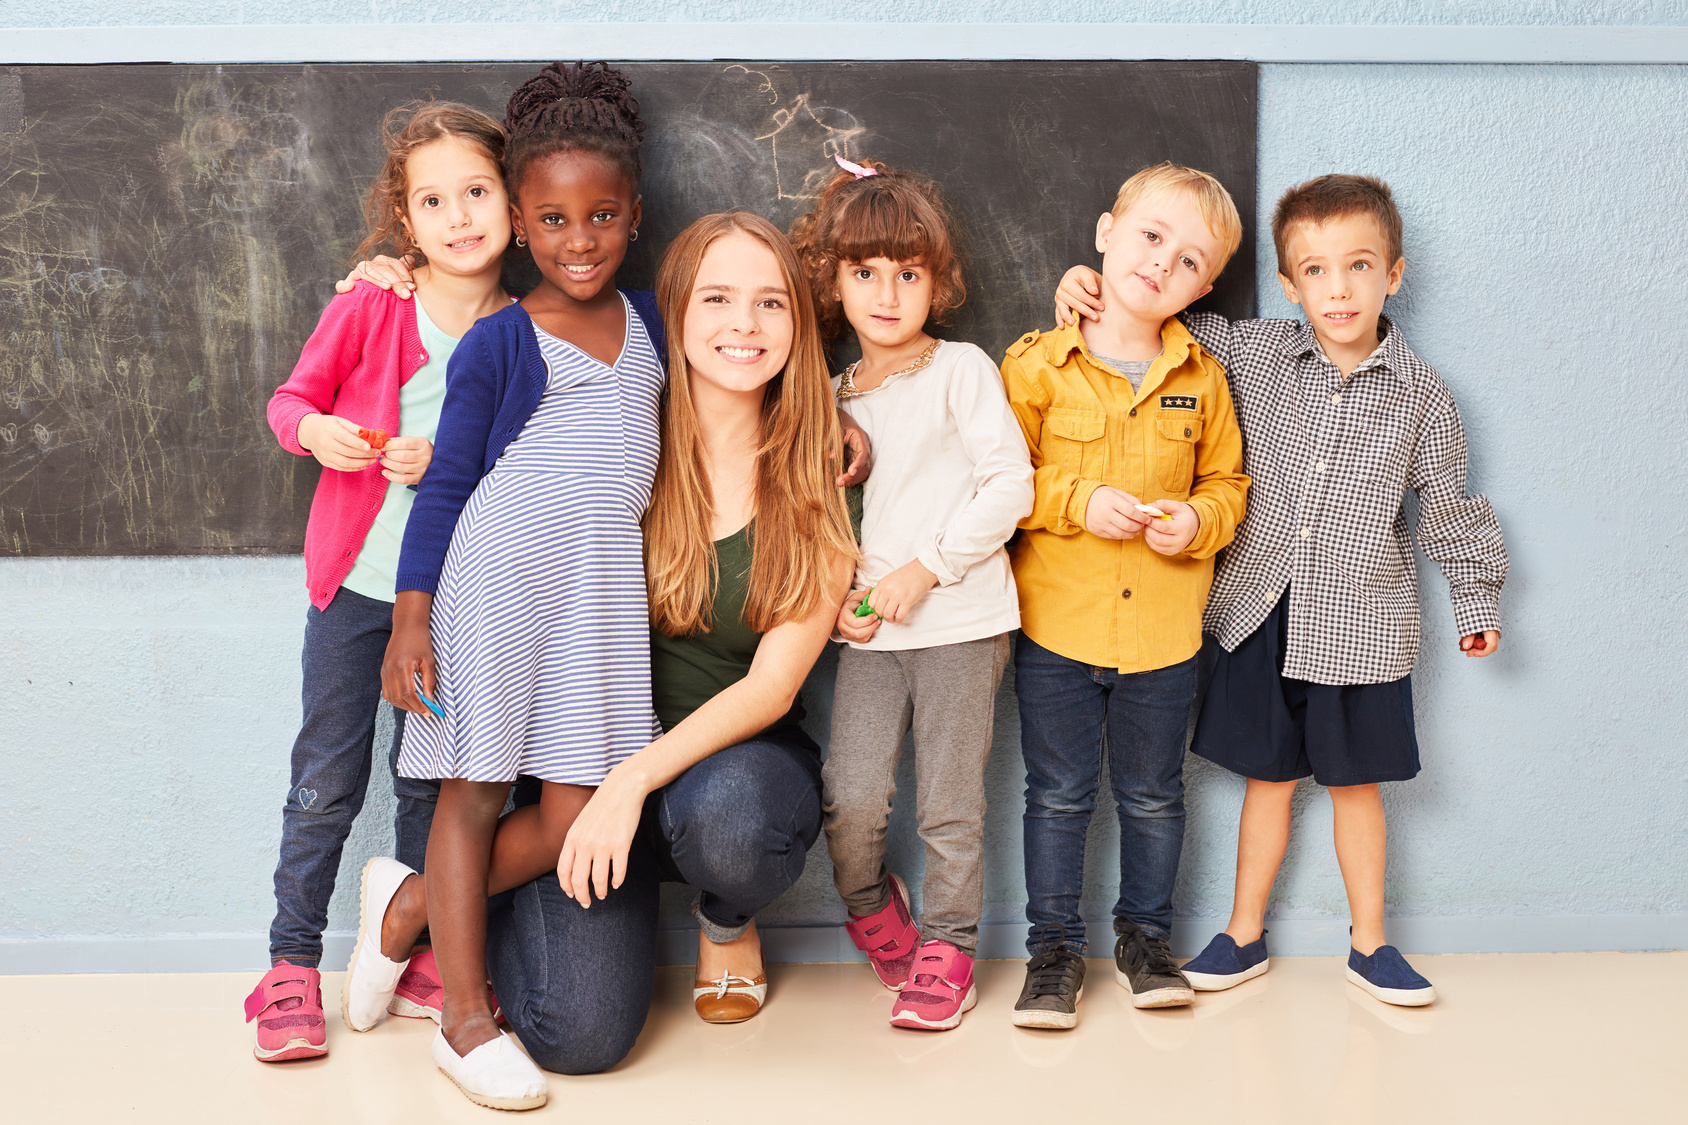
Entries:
{"x":1071,"y":714}
{"x":576,"y":984}
{"x":344,"y":646}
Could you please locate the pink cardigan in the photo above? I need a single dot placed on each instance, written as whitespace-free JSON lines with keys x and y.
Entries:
{"x":363,"y":350}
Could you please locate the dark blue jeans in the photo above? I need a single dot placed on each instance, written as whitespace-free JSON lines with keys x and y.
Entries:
{"x":576,"y":983}
{"x":1071,"y":714}
{"x":344,"y":645}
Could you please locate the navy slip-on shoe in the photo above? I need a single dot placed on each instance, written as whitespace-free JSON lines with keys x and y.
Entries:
{"x":1225,"y":964}
{"x":1387,"y":976}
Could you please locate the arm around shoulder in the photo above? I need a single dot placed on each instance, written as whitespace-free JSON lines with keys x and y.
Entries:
{"x":460,"y":447}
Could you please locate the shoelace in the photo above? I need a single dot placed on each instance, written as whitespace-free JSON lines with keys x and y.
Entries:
{"x":1157,"y":956}
{"x":725,"y":984}
{"x":1051,"y":972}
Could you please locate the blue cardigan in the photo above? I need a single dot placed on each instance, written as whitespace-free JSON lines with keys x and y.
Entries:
{"x":493,"y":385}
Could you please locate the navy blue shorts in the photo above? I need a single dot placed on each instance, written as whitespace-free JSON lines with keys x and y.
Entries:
{"x":1259,"y":723}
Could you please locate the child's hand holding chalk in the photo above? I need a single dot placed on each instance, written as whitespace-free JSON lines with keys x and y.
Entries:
{"x":337,"y":443}
{"x":1172,"y":526}
{"x":857,"y":620}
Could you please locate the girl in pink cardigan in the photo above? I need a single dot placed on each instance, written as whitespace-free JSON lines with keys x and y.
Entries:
{"x":374,"y":367}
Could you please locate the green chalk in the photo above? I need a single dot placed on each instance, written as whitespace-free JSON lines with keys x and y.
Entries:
{"x":864,"y":609}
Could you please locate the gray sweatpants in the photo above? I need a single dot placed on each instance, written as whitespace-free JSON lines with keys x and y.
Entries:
{"x":947,"y":695}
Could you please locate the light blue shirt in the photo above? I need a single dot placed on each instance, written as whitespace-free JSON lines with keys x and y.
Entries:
{"x":375,"y":572}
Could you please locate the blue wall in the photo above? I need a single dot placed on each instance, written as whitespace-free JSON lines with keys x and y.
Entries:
{"x":147,"y":706}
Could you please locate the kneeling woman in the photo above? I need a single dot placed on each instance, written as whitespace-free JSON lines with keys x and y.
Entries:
{"x":748,"y":555}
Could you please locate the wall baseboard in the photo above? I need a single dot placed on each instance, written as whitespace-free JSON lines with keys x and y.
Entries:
{"x":1291,"y":937}
{"x":423,"y":42}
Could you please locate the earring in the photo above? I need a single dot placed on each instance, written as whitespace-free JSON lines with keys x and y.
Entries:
{"x":633,"y":235}
{"x":520,"y":241}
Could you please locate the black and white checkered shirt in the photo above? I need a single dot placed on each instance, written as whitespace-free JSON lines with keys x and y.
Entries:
{"x":1331,"y":461}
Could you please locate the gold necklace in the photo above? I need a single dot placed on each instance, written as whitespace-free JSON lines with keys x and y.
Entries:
{"x":847,"y":382}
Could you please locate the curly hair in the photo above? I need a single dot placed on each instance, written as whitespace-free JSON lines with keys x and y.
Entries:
{"x":584,"y":108}
{"x":895,"y":215}
{"x":405,"y":129}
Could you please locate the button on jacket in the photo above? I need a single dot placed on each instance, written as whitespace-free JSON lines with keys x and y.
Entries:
{"x":1114,"y":603}
{"x":1331,"y":460}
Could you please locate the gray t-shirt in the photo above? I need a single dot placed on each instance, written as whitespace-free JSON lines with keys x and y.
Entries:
{"x":1132,"y":369}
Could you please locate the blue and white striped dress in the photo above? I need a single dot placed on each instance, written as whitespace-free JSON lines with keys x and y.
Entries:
{"x":540,"y":628}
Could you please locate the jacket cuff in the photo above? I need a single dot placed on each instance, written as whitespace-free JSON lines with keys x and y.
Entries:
{"x":287,"y":429}
{"x":1476,"y":610}
{"x":425,"y":583}
{"x":1208,"y":540}
{"x":929,"y":558}
{"x":1079,"y":501}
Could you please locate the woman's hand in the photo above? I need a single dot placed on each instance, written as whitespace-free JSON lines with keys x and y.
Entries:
{"x":1080,"y":293}
{"x":409,"y":651}
{"x":388,"y":273}
{"x":859,"y":450}
{"x":334,"y":441}
{"x":406,"y":459}
{"x":853,"y":628}
{"x":594,"y":855}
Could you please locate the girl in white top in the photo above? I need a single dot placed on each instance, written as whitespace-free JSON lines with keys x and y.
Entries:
{"x":927,"y":624}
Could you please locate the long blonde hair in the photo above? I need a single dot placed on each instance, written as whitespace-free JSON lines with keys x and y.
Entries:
{"x":801,"y":524}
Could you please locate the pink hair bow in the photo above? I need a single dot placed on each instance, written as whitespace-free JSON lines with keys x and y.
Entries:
{"x":855,"y":169}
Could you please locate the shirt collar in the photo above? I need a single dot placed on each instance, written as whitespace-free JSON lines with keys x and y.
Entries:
{"x":1176,"y":344}
{"x":1390,"y":355}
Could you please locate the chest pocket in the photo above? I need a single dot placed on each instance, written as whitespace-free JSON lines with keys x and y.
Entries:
{"x":1072,"y":439}
{"x":1176,"y":434}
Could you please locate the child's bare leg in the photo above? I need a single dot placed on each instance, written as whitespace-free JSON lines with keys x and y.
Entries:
{"x":530,"y":838}
{"x":1360,"y":844}
{"x":1262,"y":837}
{"x":459,"y":850}
{"x":525,"y":846}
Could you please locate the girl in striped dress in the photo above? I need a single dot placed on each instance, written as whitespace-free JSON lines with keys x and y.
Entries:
{"x":521,"y":609}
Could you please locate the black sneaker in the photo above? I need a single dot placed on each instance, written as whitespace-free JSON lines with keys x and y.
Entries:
{"x":1144,"y":967}
{"x":1054,"y":986}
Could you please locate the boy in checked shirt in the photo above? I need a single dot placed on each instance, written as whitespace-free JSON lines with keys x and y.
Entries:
{"x":1315,"y":603}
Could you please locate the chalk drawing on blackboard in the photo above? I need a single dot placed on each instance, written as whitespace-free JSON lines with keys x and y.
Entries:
{"x":802,"y":137}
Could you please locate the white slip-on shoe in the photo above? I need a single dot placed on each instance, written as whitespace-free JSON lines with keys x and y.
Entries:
{"x":497,"y":1074}
{"x":371,"y":979}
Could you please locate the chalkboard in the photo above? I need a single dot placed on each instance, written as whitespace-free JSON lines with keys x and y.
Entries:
{"x":170,"y":234}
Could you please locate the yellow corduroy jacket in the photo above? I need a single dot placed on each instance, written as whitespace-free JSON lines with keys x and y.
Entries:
{"x":1114,"y":603}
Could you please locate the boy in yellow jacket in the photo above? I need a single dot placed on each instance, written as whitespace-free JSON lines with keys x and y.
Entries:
{"x":1138,"y":473}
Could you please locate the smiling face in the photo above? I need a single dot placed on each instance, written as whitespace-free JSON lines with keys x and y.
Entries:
{"x":886,"y":302}
{"x":1157,"y":256}
{"x":1340,"y":275}
{"x":739,"y":325}
{"x":577,"y":211}
{"x":455,"y":207}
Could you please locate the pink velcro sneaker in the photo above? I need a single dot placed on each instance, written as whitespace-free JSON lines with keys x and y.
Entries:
{"x":287,"y":1005}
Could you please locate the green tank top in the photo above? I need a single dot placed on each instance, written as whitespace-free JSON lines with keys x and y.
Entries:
{"x":689,"y":671}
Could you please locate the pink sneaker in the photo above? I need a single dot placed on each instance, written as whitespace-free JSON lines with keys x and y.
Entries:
{"x":888,"y":937}
{"x":419,"y":991}
{"x":289,"y":1000}
{"x":939,"y":992}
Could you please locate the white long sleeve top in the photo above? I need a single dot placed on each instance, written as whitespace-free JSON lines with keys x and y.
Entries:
{"x":951,"y":479}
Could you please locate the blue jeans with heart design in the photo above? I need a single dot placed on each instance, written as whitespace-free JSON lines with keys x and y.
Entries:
{"x":332,"y":758}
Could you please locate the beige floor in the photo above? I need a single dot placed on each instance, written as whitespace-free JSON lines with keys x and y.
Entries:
{"x":1589,"y":1038}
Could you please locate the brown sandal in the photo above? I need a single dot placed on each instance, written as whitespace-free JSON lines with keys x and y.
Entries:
{"x":731,"y":999}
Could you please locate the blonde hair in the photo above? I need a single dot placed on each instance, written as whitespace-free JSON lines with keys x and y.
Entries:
{"x":1218,"y":210}
{"x":801,"y":523}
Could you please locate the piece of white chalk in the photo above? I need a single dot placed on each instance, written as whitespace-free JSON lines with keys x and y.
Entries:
{"x":1153,"y":511}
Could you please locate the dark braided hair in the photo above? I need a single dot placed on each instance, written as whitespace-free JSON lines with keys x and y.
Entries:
{"x":585,"y":108}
